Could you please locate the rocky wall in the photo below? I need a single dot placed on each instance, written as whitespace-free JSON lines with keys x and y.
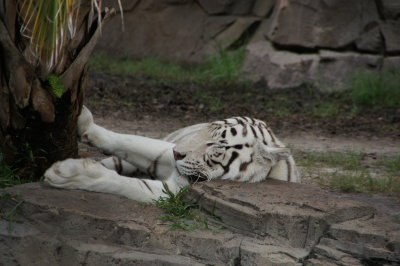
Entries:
{"x":288,"y":42}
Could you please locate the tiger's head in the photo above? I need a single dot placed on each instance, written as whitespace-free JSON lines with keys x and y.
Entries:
{"x":239,"y":148}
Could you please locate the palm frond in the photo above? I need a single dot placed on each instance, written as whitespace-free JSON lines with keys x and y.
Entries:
{"x":49,"y":25}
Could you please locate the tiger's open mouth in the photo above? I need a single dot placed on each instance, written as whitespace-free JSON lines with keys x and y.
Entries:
{"x":197,"y":178}
{"x":193,"y":178}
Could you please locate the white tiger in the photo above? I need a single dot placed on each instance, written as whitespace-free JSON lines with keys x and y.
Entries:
{"x":239,"y":148}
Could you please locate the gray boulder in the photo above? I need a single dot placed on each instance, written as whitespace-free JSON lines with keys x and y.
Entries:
{"x":279,"y":69}
{"x":329,"y":23}
{"x":391,"y":34}
{"x":390,"y":9}
{"x":327,"y":70}
{"x":233,"y":7}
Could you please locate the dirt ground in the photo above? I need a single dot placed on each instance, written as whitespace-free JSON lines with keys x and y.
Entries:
{"x":137,"y":106}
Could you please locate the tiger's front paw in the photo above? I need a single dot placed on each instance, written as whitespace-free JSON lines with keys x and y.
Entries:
{"x":73,"y":173}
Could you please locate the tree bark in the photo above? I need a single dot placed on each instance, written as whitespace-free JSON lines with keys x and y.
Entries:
{"x":36,"y":127}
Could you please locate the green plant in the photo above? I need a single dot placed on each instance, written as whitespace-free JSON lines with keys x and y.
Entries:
{"x":220,"y":69}
{"x":213,"y":102}
{"x":56,"y":85}
{"x":8,"y":176}
{"x":346,"y":161}
{"x":223,"y":68}
{"x":182,"y":213}
{"x":347,"y":172}
{"x":326,"y":109}
{"x":11,"y":214}
{"x":363,"y":182}
{"x":369,"y":89}
{"x":392,"y":164}
{"x":49,"y":24}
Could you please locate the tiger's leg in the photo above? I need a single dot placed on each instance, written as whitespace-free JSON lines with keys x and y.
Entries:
{"x":149,"y":155}
{"x":87,"y":174}
{"x":118,"y":165}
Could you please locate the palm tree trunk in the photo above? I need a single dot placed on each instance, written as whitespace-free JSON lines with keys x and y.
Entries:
{"x":38,"y":128}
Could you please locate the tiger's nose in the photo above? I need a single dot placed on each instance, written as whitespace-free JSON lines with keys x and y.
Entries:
{"x":178,"y":155}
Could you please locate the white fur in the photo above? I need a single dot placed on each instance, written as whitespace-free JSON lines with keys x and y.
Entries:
{"x":156,"y":157}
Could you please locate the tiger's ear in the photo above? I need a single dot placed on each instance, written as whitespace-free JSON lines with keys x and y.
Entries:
{"x":275,"y":154}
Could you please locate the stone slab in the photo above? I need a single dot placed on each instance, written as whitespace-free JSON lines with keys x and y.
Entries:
{"x":295,"y":216}
{"x":267,"y":223}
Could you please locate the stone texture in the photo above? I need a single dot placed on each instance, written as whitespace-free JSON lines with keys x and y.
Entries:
{"x":270,"y":223}
{"x":286,"y":213}
{"x":371,"y":41}
{"x":390,"y":9}
{"x":334,"y":68}
{"x":299,"y":30}
{"x":159,"y":29}
{"x":233,"y":7}
{"x":279,"y":69}
{"x":127,"y":5}
{"x":234,"y":32}
{"x":215,"y":7}
{"x":391,"y":34}
{"x":262,"y":8}
{"x":326,"y":70}
{"x":312,"y":24}
{"x":391,"y":63}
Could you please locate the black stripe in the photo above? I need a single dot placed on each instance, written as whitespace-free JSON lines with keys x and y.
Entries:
{"x":245,"y":118}
{"x":147,"y":185}
{"x":254,"y":131}
{"x":238,"y":120}
{"x":271,"y":134}
{"x":117,"y":164}
{"x":263,"y":135}
{"x":233,"y":131}
{"x":244,"y":166}
{"x":244,"y":132}
{"x":289,"y":170}
{"x":228,"y":165}
{"x":153,"y":168}
{"x":223,"y":135}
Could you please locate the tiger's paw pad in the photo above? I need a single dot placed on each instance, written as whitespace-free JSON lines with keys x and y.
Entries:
{"x":71,"y":173}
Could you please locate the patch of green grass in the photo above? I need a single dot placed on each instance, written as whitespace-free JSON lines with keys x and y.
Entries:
{"x":213,"y":103}
{"x":369,"y":89}
{"x":8,"y":176}
{"x":346,"y":172}
{"x":282,"y":112}
{"x":182,"y":213}
{"x":392,"y":164}
{"x":326,"y":109}
{"x":363,"y":182}
{"x":346,"y":161}
{"x":222,"y":68}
